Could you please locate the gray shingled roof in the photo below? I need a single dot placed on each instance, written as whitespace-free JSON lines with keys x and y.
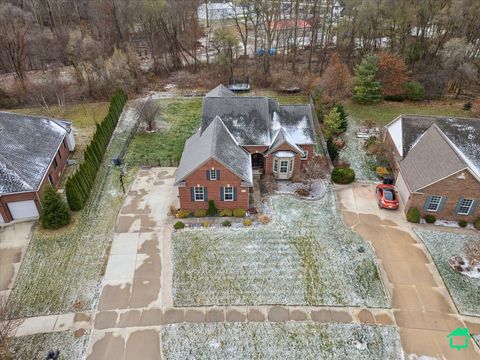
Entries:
{"x":462,"y":132}
{"x":430,"y":159}
{"x":256,"y":120}
{"x":220,"y":91}
{"x":218,"y":143}
{"x":283,"y":138}
{"x":27,"y":147}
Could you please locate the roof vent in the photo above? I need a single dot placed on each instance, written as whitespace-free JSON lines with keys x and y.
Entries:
{"x":461,"y":176}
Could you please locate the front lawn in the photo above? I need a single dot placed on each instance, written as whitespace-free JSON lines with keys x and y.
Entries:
{"x":306,"y":256}
{"x":280,"y":341}
{"x":385,"y":111}
{"x":178,"y":120}
{"x":62,"y":269}
{"x":465,"y":291}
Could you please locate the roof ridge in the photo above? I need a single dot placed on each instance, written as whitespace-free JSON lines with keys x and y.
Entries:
{"x":460,"y":156}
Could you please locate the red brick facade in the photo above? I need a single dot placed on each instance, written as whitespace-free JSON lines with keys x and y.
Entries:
{"x":55,"y":172}
{"x":227,"y":179}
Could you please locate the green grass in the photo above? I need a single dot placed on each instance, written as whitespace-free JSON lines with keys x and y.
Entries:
{"x":384,"y":112}
{"x":82,"y":115}
{"x":61,"y":269}
{"x":164,"y":147}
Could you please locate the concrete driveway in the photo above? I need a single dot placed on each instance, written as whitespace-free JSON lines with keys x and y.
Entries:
{"x":14,"y":239}
{"x":422,"y":306}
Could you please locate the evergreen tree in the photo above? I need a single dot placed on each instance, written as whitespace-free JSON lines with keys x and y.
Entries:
{"x":55,"y":213}
{"x":331,"y":123}
{"x":366,"y":88}
{"x":343,"y":117}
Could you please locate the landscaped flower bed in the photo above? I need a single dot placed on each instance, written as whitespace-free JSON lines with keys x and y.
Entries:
{"x":306,"y":255}
{"x":464,"y":290}
{"x":280,"y":341}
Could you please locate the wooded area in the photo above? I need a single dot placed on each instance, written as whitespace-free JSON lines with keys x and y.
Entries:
{"x":110,"y":44}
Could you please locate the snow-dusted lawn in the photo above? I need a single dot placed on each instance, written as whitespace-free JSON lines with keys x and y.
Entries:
{"x":307,"y":255}
{"x":354,"y":153}
{"x":289,"y":187}
{"x":280,"y":341}
{"x":37,"y":346}
{"x":464,"y":290}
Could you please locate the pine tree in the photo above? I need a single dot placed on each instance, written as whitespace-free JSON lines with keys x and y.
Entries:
{"x":55,"y":213}
{"x":331,"y":123}
{"x":367,"y":89}
{"x":343,"y":117}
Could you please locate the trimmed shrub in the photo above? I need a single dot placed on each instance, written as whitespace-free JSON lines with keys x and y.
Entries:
{"x":247,"y":222}
{"x":413,"y":215}
{"x":343,"y":175}
{"x":239,"y":212}
{"x":332,"y":149}
{"x":382,"y":171}
{"x":430,"y":219}
{"x":206,"y":224}
{"x":182,"y":214}
{"x":179,"y":225}
{"x":477,"y":224}
{"x":55,"y":213}
{"x":226,"y":223}
{"x":212,"y":209}
{"x":397,"y":98}
{"x":462,"y":223}
{"x":414,"y":91}
{"x":226,"y":213}
{"x":200,"y":213}
{"x":264,"y":219}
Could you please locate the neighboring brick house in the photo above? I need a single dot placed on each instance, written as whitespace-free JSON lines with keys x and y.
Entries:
{"x":33,"y":152}
{"x":239,"y":136}
{"x":436,"y":161}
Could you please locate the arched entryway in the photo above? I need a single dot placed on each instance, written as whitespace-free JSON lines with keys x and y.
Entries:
{"x":257,"y":161}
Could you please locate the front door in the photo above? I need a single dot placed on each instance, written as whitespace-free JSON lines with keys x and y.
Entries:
{"x":257,"y":161}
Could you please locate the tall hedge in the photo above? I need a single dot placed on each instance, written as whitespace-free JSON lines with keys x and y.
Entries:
{"x":78,"y":186}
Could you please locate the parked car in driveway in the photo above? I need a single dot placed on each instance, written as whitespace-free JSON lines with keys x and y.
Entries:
{"x":387,"y":196}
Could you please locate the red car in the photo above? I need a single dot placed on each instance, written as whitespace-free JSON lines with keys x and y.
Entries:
{"x":387,"y":197}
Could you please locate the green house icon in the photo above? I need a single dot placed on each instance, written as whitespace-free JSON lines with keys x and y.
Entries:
{"x":461,"y":336}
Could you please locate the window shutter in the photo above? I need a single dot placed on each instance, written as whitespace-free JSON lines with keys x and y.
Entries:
{"x":425,"y":206}
{"x":192,"y":193}
{"x":442,"y":203}
{"x":474,"y":206}
{"x":457,"y":208}
{"x":218,"y":174}
{"x":222,"y":193}
{"x":205,"y":194}
{"x":234,"y":194}
{"x":208,"y":174}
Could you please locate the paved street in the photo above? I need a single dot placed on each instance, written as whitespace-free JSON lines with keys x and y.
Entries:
{"x":422,"y":306}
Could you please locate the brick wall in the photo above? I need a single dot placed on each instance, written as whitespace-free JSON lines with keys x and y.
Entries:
{"x":227,"y":178}
{"x":392,"y":152}
{"x":454,"y":189}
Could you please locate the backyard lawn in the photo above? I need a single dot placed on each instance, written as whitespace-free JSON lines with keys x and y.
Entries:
{"x":465,"y":291}
{"x":385,"y":111}
{"x":306,"y":256}
{"x":280,"y":341}
{"x":61,"y":269}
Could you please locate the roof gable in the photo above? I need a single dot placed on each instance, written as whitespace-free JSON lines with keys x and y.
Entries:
{"x":281,"y":138}
{"x":220,"y":91}
{"x":27,"y":147}
{"x":431,"y":148}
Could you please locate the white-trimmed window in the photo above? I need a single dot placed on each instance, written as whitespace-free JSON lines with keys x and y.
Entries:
{"x":433,"y":203}
{"x":275,"y":165}
{"x":199,"y":194}
{"x":284,"y":166}
{"x":228,"y":193}
{"x":213,"y":174}
{"x":304,"y":155}
{"x":464,"y":206}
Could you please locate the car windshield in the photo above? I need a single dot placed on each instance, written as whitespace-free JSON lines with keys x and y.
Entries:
{"x":389,"y":195}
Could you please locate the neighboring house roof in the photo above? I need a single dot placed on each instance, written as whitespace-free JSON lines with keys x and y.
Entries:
{"x":432,"y":148}
{"x":289,"y":24}
{"x":283,"y":138}
{"x":27,"y":146}
{"x":257,"y":120}
{"x":215,"y":142}
{"x":220,"y":91}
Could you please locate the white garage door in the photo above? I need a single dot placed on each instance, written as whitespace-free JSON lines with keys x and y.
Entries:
{"x":1,"y":219}
{"x":23,"y":209}
{"x":402,"y":189}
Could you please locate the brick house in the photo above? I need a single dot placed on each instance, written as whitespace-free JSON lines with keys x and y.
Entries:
{"x":240,"y":136}
{"x":436,"y":161}
{"x":33,"y":152}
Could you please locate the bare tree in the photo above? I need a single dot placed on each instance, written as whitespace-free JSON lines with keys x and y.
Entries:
{"x":147,"y":112}
{"x":8,"y":327}
{"x":315,"y":169}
